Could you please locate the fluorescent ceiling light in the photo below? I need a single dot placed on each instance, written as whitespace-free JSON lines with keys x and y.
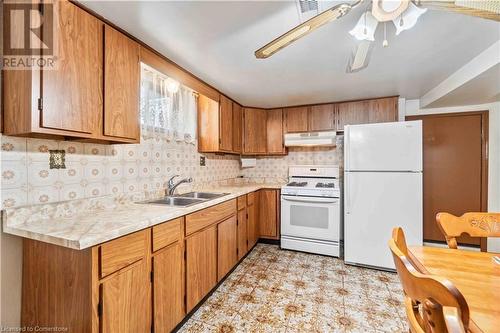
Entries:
{"x":408,"y":19}
{"x":365,"y":28}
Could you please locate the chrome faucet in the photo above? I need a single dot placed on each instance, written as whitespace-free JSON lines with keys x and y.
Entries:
{"x":171,"y":185}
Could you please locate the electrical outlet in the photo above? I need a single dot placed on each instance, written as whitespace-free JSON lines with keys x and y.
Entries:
{"x":202,"y":161}
{"x":57,"y":159}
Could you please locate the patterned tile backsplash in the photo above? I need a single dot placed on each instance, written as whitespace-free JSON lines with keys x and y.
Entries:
{"x":94,"y":170}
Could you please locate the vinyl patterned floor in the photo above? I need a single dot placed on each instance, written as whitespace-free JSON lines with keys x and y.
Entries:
{"x":275,"y":290}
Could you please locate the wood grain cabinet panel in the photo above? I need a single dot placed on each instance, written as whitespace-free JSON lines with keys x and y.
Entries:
{"x":322,"y":117}
{"x":227,"y":246}
{"x":383,"y":110}
{"x":168,"y":280}
{"x":201,"y":265}
{"x":226,"y":124}
{"x":268,"y":214}
{"x":208,"y":124}
{"x":275,"y":140}
{"x":352,"y":113}
{"x":121,"y":85}
{"x":208,"y":216}
{"x":242,"y":232}
{"x":255,"y":131}
{"x":167,"y":233}
{"x":237,"y":130}
{"x":126,"y":300}
{"x":252,"y":226}
{"x":296,"y":119}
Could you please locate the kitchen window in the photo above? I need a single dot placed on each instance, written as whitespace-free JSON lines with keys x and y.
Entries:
{"x":168,"y":109}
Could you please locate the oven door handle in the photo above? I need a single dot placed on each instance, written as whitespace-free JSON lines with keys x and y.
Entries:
{"x":310,"y":199}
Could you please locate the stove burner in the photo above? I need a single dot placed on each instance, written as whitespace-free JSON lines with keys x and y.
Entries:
{"x":297,"y":184}
{"x":325,"y":185}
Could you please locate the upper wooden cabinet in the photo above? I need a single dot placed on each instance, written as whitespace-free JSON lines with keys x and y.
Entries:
{"x":237,"y":131}
{"x":217,"y":126}
{"x":255,"y":131}
{"x":295,"y":119}
{"x":275,"y":141}
{"x":351,"y":113}
{"x":77,"y":99}
{"x":121,"y":85}
{"x":383,"y":110}
{"x":322,"y":117}
{"x":368,"y":111}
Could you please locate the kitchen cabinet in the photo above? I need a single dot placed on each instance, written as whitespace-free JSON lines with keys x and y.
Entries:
{"x":351,"y":113}
{"x":269,"y":213}
{"x":215,"y":125}
{"x":275,"y":140}
{"x":383,"y":110}
{"x":121,"y":85}
{"x":322,"y":117}
{"x":252,"y":223}
{"x":296,"y":119}
{"x":237,"y":131}
{"x":254,"y":129}
{"x":242,"y":227}
{"x":227,"y":246}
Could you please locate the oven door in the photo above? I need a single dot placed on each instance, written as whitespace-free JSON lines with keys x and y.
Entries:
{"x":310,"y":217}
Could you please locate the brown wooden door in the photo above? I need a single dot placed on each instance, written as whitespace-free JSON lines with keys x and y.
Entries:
{"x":268,"y":214}
{"x":201,"y":265}
{"x":121,"y":85}
{"x":255,"y":138}
{"x":322,"y":117}
{"x":72,"y":94}
{"x":126,"y":300}
{"x":242,"y":232}
{"x":352,"y":113}
{"x":225,"y":124}
{"x":383,"y":110}
{"x":275,"y":143}
{"x":237,"y":134}
{"x":296,"y":119}
{"x":227,"y":245}
{"x":252,"y":232}
{"x":455,"y":174}
{"x":168,"y":288}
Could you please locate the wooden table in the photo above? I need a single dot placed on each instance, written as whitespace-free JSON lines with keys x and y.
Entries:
{"x":474,"y":274}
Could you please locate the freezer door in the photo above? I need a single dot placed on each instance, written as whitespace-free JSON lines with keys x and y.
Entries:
{"x":375,"y":203}
{"x":384,"y":147}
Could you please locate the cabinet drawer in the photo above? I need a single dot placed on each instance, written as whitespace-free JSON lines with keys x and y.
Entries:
{"x":166,"y":233}
{"x":242,"y":202}
{"x":251,"y":198}
{"x":123,"y":251}
{"x":208,"y":216}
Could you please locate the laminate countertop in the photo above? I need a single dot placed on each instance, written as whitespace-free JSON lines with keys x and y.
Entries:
{"x":83,"y":223}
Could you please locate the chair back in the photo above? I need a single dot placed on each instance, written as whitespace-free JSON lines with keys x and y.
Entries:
{"x":432,"y":303}
{"x":473,"y":224}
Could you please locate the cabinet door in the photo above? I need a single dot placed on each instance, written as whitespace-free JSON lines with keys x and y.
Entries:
{"x":296,"y":119}
{"x":275,"y":143}
{"x":126,"y":300}
{"x":352,"y":113}
{"x":268,"y":214}
{"x":168,"y":288}
{"x":252,"y":225}
{"x":201,"y":265}
{"x":237,"y":118}
{"x":227,"y":245}
{"x":242,"y":233}
{"x":208,"y":124}
{"x":322,"y":117}
{"x":72,"y":94}
{"x":121,"y":85}
{"x":225,"y":124}
{"x":255,"y":139}
{"x":383,"y":110}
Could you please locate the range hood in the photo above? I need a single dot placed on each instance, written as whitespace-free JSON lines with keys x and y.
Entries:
{"x":311,"y":139}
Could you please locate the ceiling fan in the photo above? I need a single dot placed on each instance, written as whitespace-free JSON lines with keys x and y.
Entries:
{"x":403,"y":13}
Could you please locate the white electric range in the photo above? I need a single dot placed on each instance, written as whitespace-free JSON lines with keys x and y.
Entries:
{"x":311,"y":210}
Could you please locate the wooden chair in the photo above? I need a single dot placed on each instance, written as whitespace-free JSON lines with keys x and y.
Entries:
{"x":433,"y":304}
{"x":473,"y":224}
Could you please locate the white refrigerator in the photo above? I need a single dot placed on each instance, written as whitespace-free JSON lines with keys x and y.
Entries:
{"x":382,"y":190}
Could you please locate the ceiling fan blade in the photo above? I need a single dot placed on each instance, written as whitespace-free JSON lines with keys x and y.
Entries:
{"x":360,"y":58}
{"x":303,"y":29}
{"x":487,"y":9}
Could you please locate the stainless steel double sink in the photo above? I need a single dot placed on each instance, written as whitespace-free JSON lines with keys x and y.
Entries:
{"x":185,"y":200}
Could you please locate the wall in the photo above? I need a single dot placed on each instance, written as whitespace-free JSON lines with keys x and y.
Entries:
{"x":413,"y":108}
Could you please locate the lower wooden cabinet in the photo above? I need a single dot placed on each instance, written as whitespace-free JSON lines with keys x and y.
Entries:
{"x":227,"y":246}
{"x":269,"y":210}
{"x":168,"y":284}
{"x":252,"y":226}
{"x":126,"y":300}
{"x":242,"y":227}
{"x":201,"y":265}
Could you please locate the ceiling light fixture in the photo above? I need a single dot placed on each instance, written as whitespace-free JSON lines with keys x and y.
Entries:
{"x":365,"y":28}
{"x":408,"y":19}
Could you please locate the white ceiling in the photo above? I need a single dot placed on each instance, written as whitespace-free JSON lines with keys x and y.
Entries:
{"x":216,"y":41}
